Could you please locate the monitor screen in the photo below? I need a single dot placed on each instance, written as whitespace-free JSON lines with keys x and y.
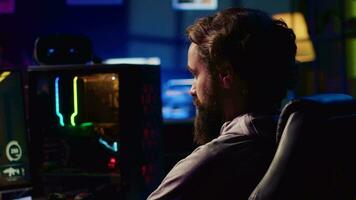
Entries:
{"x":14,"y":158}
{"x":195,"y":4}
{"x":95,"y":2}
{"x":176,"y":100}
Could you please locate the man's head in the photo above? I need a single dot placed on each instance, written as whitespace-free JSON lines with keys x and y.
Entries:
{"x":242,"y":61}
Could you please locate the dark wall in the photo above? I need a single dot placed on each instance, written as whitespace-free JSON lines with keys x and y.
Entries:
{"x":105,"y":25}
{"x":136,"y":28}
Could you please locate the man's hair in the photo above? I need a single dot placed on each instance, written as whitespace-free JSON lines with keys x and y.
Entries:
{"x":260,"y":49}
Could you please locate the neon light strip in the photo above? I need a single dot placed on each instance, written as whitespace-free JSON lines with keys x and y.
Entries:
{"x":75,"y":101}
{"x":60,"y":116}
{"x":112,"y":147}
{"x":86,"y":124}
{"x":4,"y":75}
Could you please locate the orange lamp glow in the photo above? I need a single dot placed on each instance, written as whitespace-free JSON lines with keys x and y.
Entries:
{"x":296,"y":21}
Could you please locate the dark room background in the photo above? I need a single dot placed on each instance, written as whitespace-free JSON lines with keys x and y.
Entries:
{"x":152,"y":28}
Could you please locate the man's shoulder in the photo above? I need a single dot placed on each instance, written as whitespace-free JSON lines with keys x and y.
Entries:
{"x":217,"y":149}
{"x":223,"y":143}
{"x":232,"y":145}
{"x":226,"y":159}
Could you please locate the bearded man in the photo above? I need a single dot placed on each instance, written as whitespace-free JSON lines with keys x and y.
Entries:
{"x":242,"y":61}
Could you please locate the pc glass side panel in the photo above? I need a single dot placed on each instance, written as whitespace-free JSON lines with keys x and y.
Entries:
{"x":96,"y":129}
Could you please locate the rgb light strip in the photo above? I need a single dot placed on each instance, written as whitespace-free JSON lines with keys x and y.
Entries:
{"x":114,"y":147}
{"x":4,"y":75}
{"x":56,"y":88}
{"x":75,"y":101}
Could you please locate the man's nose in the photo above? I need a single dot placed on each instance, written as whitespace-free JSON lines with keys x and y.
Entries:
{"x":192,"y":90}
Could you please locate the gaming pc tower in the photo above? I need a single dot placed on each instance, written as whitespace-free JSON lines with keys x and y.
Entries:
{"x":95,"y":129}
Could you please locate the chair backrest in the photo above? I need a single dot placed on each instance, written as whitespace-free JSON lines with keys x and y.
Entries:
{"x":315,"y":157}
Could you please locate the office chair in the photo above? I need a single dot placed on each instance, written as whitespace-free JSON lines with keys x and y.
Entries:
{"x":315,"y":157}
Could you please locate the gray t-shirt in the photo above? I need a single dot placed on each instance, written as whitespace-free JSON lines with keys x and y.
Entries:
{"x":228,"y":167}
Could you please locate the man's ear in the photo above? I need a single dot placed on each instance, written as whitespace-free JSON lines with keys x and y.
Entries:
{"x":226,"y":77}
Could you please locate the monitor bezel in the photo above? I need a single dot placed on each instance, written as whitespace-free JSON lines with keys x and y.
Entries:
{"x":25,"y":184}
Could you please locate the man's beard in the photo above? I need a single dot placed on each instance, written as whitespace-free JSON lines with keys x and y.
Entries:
{"x":209,"y":118}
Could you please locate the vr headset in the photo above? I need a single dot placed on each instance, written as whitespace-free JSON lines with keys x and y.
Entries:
{"x":63,"y":49}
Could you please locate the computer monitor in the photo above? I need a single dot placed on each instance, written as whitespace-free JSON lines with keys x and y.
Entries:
{"x":177,"y":102}
{"x":96,"y":129}
{"x":14,"y":155}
